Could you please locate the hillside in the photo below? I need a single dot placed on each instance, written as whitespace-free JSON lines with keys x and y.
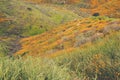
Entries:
{"x":31,"y":18}
{"x":20,"y":19}
{"x":59,"y":40}
{"x":69,"y":36}
{"x":88,"y":48}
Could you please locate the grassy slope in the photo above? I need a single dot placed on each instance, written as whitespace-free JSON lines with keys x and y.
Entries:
{"x":98,"y":61}
{"x":92,"y":46}
{"x":69,"y":36}
{"x":31,"y":18}
{"x":19,"y":18}
{"x":108,"y":8}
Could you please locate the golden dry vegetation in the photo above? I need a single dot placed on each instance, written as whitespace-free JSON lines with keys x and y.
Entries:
{"x":66,"y":37}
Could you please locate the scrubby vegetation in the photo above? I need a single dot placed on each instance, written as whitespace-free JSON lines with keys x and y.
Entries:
{"x":59,"y":40}
{"x":97,"y":61}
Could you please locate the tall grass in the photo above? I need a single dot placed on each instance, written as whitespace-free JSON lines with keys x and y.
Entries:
{"x":31,"y":69}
